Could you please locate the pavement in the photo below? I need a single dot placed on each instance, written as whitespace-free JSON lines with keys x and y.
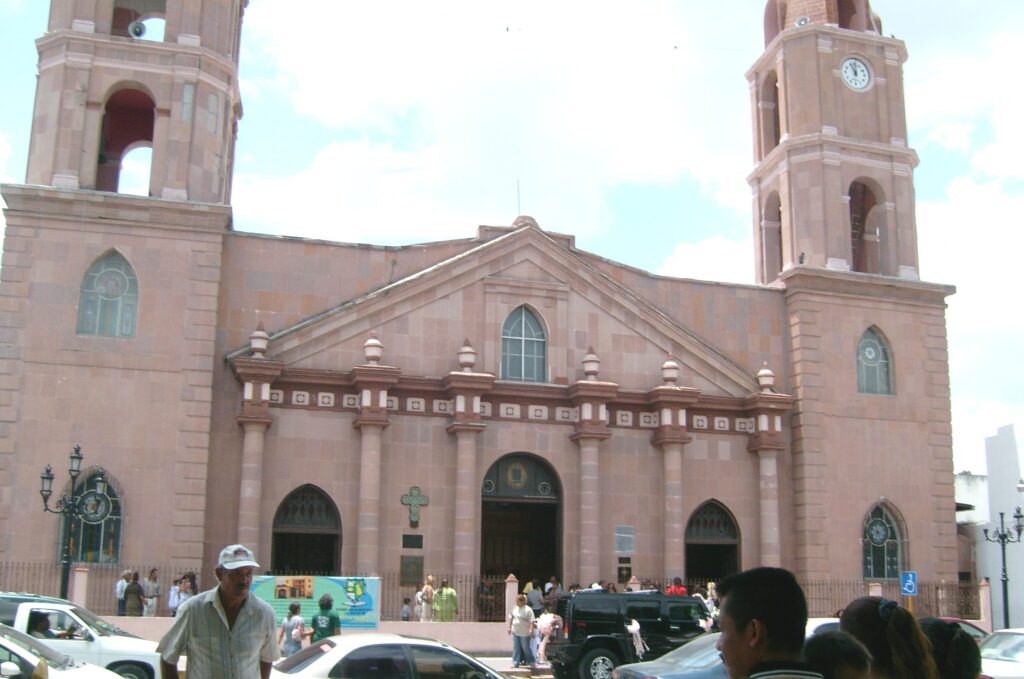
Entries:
{"x":504,"y":665}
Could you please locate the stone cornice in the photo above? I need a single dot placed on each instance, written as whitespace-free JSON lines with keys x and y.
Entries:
{"x":257,"y":369}
{"x":768,"y":402}
{"x":803,"y":280}
{"x":468,"y":383}
{"x":380,"y":376}
{"x":590,"y":390}
{"x":101,"y":207}
{"x":673,"y":396}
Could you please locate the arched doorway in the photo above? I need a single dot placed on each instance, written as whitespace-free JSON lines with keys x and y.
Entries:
{"x":521,"y":525}
{"x":712,"y":543}
{"x":307,"y":534}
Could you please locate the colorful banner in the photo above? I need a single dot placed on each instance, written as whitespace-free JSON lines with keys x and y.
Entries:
{"x":356,"y":600}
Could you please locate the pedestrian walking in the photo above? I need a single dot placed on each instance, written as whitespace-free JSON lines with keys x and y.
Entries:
{"x":225,"y":632}
{"x":520,"y":627}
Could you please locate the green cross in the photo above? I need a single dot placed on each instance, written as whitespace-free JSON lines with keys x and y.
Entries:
{"x":415,"y":499}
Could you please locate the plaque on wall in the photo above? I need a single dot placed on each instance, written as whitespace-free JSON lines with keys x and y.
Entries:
{"x":411,"y":571}
{"x":410,"y":541}
{"x":625,"y":573}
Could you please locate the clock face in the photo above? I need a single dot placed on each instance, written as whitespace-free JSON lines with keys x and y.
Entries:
{"x":93,"y":507}
{"x":855,"y":73}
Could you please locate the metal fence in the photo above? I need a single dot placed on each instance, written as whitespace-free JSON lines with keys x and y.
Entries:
{"x":482,"y":599}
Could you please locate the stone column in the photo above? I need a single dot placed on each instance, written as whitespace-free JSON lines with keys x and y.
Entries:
{"x":250,"y":492}
{"x":465,"y":389}
{"x":671,"y":402}
{"x":766,"y":440}
{"x":372,"y":381}
{"x":591,"y":397}
{"x":257,"y":373}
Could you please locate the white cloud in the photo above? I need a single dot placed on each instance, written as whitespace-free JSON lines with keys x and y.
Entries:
{"x":567,"y":100}
{"x":713,"y":259}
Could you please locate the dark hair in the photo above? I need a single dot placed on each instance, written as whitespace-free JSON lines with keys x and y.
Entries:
{"x":326,"y":601}
{"x":956,"y":654}
{"x":771,"y":596}
{"x":293,"y":609}
{"x":678,"y":582}
{"x":828,"y":652}
{"x":36,"y":617}
{"x":893,"y":637}
{"x":405,"y":600}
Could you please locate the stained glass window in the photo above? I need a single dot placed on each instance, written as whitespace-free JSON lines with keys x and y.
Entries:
{"x":873,"y":376}
{"x":109,"y":298}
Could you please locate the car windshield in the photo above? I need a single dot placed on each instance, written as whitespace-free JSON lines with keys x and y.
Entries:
{"x":1004,"y":646}
{"x":99,"y":625}
{"x":305,"y":657}
{"x":36,"y":647}
{"x":697,"y":654}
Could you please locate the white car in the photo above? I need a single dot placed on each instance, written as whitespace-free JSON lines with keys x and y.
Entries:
{"x":374,"y":655}
{"x":20,"y":654}
{"x":1002,"y":654}
{"x":80,"y":633}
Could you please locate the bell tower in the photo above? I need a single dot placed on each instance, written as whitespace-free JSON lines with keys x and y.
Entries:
{"x":833,"y":182}
{"x":106,"y":88}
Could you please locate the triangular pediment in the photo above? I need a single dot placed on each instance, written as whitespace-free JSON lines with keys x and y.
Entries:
{"x":525,"y":264}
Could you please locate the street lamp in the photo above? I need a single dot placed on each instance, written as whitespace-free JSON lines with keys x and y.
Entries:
{"x":91,"y":506}
{"x":1003,"y":536}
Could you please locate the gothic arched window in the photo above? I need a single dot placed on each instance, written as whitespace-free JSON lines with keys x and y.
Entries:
{"x":108,"y":301}
{"x":883,"y":542}
{"x":97,"y":542}
{"x":874,"y":374}
{"x":523,"y":347}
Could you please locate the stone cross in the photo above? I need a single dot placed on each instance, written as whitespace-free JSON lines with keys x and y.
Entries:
{"x":415,"y":499}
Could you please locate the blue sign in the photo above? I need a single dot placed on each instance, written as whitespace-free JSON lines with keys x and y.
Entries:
{"x":908,"y":583}
{"x":356,"y":600}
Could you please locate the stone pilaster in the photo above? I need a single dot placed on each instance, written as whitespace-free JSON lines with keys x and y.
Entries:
{"x":671,"y":436}
{"x":465,"y":390}
{"x":767,"y":441}
{"x":372,"y":382}
{"x":256,"y":373}
{"x":591,"y":397}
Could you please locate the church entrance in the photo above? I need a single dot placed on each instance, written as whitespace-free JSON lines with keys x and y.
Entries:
{"x":521,"y":521}
{"x":712,"y":543}
{"x":307,"y":534}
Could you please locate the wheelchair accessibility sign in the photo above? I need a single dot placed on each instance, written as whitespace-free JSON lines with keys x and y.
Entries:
{"x":908,"y":583}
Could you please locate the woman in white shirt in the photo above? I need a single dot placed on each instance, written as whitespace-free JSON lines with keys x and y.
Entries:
{"x":520,"y":626}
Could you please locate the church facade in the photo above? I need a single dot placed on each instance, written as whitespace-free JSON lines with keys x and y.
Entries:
{"x":506,"y":403}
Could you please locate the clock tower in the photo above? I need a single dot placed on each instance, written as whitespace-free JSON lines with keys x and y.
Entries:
{"x":835,"y":230}
{"x":833,"y":183}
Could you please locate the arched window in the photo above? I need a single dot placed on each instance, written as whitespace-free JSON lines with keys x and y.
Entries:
{"x":307,"y":534}
{"x":96,"y":542}
{"x":873,"y":369}
{"x":523,"y":347}
{"x":883,"y":542}
{"x":109,"y":298}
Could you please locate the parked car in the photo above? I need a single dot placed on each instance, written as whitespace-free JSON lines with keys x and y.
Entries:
{"x":970,"y":628}
{"x":21,"y":654}
{"x":1002,"y":654}
{"x":593,"y":639}
{"x":700,"y":659}
{"x":375,"y":654}
{"x":82,"y":634}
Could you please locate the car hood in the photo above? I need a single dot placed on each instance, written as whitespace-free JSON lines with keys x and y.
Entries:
{"x":1002,"y":669}
{"x":82,"y":671}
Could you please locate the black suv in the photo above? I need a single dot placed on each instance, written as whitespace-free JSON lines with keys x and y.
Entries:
{"x":593,"y":639}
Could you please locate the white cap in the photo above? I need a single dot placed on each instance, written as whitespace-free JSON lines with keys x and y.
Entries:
{"x":237,"y":556}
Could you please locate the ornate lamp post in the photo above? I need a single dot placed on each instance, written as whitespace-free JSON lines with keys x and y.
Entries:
{"x":1004,"y":536}
{"x":91,"y":506}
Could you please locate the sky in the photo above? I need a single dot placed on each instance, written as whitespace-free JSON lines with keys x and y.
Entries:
{"x":626,"y":125}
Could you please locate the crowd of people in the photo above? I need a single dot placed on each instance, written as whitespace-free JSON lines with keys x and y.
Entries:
{"x":137,"y":597}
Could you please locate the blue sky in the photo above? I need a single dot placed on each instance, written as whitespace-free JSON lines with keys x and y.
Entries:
{"x":627,"y":125}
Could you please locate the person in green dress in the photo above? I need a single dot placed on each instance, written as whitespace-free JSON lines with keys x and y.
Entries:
{"x":446,"y":603}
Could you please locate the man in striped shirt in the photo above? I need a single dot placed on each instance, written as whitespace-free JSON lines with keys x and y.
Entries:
{"x":224,"y":632}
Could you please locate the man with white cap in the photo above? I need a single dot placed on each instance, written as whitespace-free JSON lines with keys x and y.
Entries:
{"x":225,"y":617}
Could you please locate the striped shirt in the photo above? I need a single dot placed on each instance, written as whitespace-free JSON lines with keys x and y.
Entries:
{"x":215,"y":651}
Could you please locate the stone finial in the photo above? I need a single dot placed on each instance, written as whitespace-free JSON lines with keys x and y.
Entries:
{"x":670,"y":371}
{"x":258,"y":341}
{"x":591,"y":364}
{"x":766,"y":378}
{"x":525,"y":220}
{"x":373,"y":349}
{"x":467,"y":356}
